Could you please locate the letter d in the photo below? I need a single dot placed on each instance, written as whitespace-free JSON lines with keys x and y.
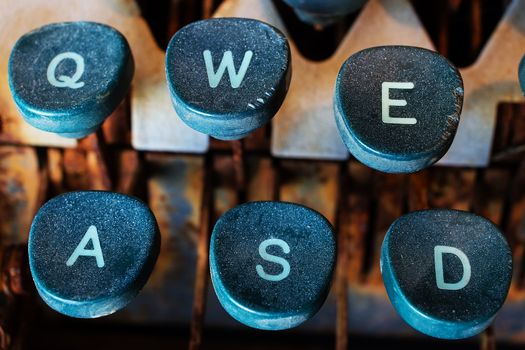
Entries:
{"x":439,"y":250}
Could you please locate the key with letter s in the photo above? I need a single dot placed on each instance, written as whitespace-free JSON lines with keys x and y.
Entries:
{"x":271,"y":263}
{"x":67,"y":78}
{"x":397,"y":108}
{"x":90,"y":252}
{"x":228,"y":76}
{"x":446,"y":272}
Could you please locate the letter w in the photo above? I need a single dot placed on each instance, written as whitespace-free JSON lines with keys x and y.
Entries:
{"x":214,"y":78}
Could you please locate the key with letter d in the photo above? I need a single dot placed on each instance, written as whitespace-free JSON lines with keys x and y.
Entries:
{"x":91,"y":252}
{"x":227,"y":76}
{"x":447,"y":272}
{"x":397,"y":107}
{"x":271,"y":263}
{"x":67,"y":78}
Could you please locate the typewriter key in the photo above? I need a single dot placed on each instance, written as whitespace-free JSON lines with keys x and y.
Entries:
{"x":446,"y":272}
{"x":227,"y":76}
{"x":324,"y":12}
{"x":521,"y":74}
{"x":91,"y":252}
{"x":271,"y":263}
{"x":68,"y":77}
{"x":397,"y":107}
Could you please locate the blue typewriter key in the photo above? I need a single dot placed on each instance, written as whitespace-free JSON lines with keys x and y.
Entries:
{"x":447,"y":272}
{"x":227,"y":76}
{"x":324,"y":12}
{"x":397,"y":107}
{"x":271,"y":263}
{"x":521,"y":74}
{"x":91,"y":252}
{"x":66,"y":78}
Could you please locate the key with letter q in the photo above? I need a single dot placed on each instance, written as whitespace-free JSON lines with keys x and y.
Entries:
{"x":67,"y":78}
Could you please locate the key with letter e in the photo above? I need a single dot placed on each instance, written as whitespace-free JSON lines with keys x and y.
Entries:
{"x":67,"y":78}
{"x":446,"y":272}
{"x":397,"y":107}
{"x":271,"y":263}
{"x":227,"y":76}
{"x":90,"y":252}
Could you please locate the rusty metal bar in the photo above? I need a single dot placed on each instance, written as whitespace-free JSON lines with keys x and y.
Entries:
{"x":14,"y":272}
{"x":239,"y":168}
{"x":488,"y":341}
{"x":201,"y":276}
{"x":97,"y":159}
{"x":341,"y":283}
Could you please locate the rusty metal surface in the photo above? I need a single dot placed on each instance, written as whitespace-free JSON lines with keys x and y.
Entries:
{"x":175,"y":187}
{"x":19,"y":189}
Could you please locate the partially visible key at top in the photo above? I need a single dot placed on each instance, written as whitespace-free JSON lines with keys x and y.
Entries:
{"x":324,"y":12}
{"x":228,"y":76}
{"x":67,"y":78}
{"x":91,"y":252}
{"x":397,"y":108}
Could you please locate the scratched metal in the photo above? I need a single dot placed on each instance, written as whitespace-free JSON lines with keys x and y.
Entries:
{"x":305,"y":127}
{"x":19,"y":188}
{"x":175,"y":193}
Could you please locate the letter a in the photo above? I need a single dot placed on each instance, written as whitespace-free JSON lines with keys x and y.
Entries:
{"x":214,"y":78}
{"x":80,"y":250}
{"x":275,"y":259}
{"x":439,"y":250}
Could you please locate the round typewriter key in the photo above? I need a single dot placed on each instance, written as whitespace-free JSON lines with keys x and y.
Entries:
{"x":227,"y":76}
{"x":324,"y":12}
{"x":397,"y":107}
{"x":521,"y":74}
{"x":446,"y":272}
{"x":271,"y":263}
{"x":68,"y":77}
{"x":91,"y":252}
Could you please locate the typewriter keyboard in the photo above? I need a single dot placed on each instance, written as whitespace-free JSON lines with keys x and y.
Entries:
{"x":262,"y":174}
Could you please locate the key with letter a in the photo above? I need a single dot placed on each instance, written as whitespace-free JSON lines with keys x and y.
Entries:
{"x":397,"y":107}
{"x":271,"y":263}
{"x":446,"y":272}
{"x":67,"y":78}
{"x":227,"y":76}
{"x":91,"y":252}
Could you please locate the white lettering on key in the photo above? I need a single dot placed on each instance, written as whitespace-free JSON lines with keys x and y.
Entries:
{"x":80,"y":250}
{"x":439,"y":250}
{"x":386,"y":102}
{"x":275,"y":259}
{"x":236,"y":78}
{"x":63,"y":80}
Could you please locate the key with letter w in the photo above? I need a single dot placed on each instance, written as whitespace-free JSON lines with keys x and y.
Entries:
{"x":236,"y":78}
